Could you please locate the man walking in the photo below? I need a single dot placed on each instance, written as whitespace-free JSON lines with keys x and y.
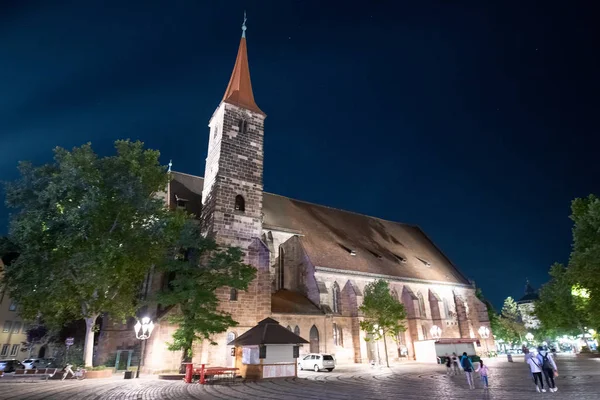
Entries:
{"x":467,"y":365}
{"x":546,"y":361}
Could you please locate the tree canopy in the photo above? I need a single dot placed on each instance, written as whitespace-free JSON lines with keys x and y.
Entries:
{"x":88,"y":229}
{"x":196,"y":269}
{"x":570,"y":302}
{"x":383,"y":314}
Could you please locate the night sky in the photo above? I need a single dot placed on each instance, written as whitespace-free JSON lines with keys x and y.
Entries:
{"x":476,"y":121}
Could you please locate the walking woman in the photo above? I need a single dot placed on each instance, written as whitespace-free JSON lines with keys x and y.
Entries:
{"x":536,"y":371}
{"x":455,"y":366}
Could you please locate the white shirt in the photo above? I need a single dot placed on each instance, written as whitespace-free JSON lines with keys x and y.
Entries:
{"x":534,"y":364}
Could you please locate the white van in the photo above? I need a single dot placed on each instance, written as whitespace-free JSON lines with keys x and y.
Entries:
{"x":317,"y":362}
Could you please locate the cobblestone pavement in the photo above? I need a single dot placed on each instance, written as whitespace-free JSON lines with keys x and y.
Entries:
{"x":579,"y":379}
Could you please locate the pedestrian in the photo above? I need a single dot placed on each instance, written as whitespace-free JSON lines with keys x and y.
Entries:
{"x":467,"y":366}
{"x":546,"y":361}
{"x":448,"y":365}
{"x":483,"y":373}
{"x":536,"y":371}
{"x":455,"y":364}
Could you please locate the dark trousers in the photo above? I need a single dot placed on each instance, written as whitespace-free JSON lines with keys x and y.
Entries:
{"x":537,"y":377}
{"x":549,"y":372}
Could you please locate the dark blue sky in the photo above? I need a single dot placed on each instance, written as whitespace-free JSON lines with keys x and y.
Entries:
{"x":475,"y":120}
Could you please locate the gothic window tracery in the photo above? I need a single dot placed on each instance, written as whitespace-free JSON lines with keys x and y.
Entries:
{"x":335,"y":298}
{"x":281,"y":269}
{"x":422,"y":309}
{"x":337,"y":335}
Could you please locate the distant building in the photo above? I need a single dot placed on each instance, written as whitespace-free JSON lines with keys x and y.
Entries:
{"x":526,"y":306}
{"x":13,"y":330}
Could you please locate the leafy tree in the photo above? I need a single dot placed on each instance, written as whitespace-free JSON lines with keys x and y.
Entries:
{"x":197,"y":268}
{"x":383,"y":314}
{"x":510,"y":325}
{"x":88,"y":229}
{"x":510,"y":310}
{"x":501,"y":328}
{"x":584,"y":263}
{"x":558,"y":308}
{"x":36,"y":335}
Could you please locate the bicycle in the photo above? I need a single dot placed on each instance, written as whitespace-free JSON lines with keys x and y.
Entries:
{"x":79,"y":374}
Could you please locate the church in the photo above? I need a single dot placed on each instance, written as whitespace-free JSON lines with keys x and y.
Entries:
{"x":312,"y":261}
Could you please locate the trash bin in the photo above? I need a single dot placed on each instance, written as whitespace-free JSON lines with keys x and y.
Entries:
{"x":509,"y":357}
{"x":128,"y":374}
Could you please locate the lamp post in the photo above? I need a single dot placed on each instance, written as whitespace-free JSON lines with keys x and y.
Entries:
{"x":143,"y":331}
{"x":436,"y":332}
{"x":484,"y":333}
{"x":529,"y":337}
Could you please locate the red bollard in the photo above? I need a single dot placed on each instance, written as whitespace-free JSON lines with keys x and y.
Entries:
{"x":202,"y":381}
{"x":189,"y":370}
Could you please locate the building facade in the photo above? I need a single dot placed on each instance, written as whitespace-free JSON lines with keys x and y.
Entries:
{"x":13,"y":330}
{"x":312,"y":261}
{"x":526,"y":306}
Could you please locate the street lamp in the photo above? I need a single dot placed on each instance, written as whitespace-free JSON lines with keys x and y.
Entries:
{"x":529,"y":337}
{"x":484,"y":333}
{"x":143,"y":331}
{"x":436,"y":332}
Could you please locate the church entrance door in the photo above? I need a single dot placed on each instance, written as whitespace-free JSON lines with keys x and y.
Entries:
{"x":229,"y":357}
{"x":314,"y":339}
{"x":371,"y":348}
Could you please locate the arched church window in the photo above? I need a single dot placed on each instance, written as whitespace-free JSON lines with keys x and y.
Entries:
{"x":240,"y":203}
{"x":446,"y":308}
{"x":233,"y":294}
{"x":289,"y":328}
{"x":337,"y":335}
{"x":281,"y":269}
{"x":335,"y":298}
{"x":422,"y":309}
{"x":242,"y":125}
{"x":297,"y":330}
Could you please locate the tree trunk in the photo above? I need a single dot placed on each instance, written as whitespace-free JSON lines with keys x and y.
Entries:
{"x":387,"y":361}
{"x":185,"y":358}
{"x":88,"y":347}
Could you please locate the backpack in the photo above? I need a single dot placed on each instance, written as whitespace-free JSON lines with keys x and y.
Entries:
{"x":466,"y":364}
{"x":546,"y":362}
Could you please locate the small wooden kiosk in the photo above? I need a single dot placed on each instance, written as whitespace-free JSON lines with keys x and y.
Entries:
{"x":267,"y":351}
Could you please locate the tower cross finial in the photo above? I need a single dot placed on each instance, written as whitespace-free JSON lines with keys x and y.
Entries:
{"x":244,"y":26}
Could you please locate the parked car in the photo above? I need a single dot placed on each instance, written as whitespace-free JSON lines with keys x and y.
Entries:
{"x":35,"y":363}
{"x":11,"y":365}
{"x":317,"y":362}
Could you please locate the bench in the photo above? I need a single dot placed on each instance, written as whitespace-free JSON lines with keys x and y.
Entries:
{"x":215,"y":373}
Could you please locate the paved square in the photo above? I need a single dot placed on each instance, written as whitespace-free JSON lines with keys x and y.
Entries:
{"x":579,"y":379}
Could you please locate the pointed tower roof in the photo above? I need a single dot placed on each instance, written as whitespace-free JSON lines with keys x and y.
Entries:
{"x":530,"y":294}
{"x":239,"y":89}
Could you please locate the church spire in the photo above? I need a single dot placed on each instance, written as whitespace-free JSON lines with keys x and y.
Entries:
{"x":239,"y":89}
{"x":528,"y":288}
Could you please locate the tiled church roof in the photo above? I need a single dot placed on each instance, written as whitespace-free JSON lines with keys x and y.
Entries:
{"x":289,"y":302}
{"x":344,"y":240}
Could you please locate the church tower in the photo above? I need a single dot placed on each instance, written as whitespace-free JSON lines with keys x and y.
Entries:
{"x":233,"y":187}
{"x":232,"y":199}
